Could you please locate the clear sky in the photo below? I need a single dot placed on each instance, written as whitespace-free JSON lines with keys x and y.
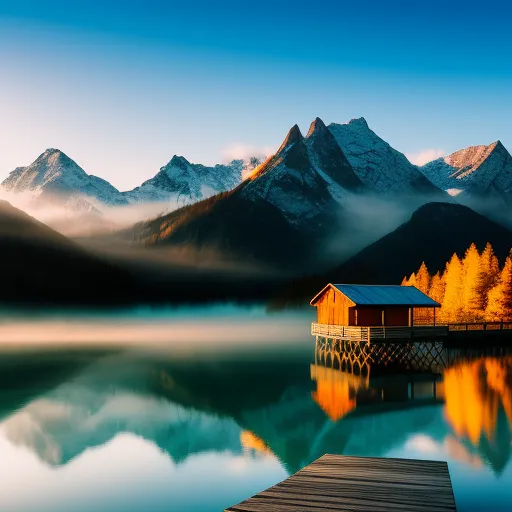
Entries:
{"x":122,"y":86}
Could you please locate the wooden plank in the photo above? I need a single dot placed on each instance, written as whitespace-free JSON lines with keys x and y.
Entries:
{"x":336,"y":482}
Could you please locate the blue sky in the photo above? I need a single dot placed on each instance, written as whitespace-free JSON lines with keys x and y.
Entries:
{"x":122,"y":86}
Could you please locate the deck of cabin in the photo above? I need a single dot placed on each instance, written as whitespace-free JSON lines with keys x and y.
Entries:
{"x":417,"y":332}
{"x":380,"y":333}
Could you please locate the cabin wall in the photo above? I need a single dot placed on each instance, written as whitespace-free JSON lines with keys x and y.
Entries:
{"x":332,"y":308}
{"x":398,"y":316}
{"x":368,"y":316}
{"x":372,"y":316}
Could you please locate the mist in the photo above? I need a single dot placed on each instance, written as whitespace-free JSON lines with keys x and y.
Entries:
{"x":366,"y":219}
{"x":91,"y":218}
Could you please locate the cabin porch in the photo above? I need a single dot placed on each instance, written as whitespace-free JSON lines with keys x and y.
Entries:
{"x":379,"y":333}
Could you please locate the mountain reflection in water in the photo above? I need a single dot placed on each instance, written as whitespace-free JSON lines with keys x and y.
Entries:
{"x":195,"y":433}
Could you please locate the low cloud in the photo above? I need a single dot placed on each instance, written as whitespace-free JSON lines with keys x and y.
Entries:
{"x":425,"y":156}
{"x":245,"y":152}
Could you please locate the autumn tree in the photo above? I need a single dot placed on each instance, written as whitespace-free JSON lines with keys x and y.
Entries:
{"x":452,"y":300}
{"x":488,"y":275}
{"x":437,"y":286}
{"x":470,"y":311}
{"x":506,"y":280}
{"x":412,"y":280}
{"x":423,"y":278}
{"x":499,"y":301}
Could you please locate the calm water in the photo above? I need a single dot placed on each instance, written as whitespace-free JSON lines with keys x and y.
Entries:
{"x":197,"y":410}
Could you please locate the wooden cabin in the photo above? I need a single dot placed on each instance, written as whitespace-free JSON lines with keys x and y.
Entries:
{"x":370,"y":305}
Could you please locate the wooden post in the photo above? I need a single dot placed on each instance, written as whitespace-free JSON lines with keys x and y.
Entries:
{"x":435,"y":317}
{"x":412,"y":317}
{"x":383,"y":317}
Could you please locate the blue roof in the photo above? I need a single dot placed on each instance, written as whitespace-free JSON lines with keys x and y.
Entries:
{"x":375,"y":295}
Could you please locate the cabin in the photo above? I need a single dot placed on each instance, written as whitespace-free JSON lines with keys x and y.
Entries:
{"x":341,"y":308}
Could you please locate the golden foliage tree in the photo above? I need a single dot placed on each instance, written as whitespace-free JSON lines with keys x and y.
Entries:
{"x":437,"y":286}
{"x":499,"y":303}
{"x":451,"y":307}
{"x":488,"y":276}
{"x":473,"y":289}
{"x":470,"y":273}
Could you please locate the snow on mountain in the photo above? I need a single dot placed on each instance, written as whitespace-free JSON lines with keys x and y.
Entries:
{"x":330,"y":162}
{"x":476,"y":170}
{"x":380,"y":167}
{"x":185,"y":182}
{"x":289,"y":180}
{"x":53,"y":175}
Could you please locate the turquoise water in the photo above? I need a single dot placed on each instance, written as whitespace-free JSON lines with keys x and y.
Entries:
{"x":205,"y":410}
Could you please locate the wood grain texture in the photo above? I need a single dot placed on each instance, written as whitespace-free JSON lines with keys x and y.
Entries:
{"x":335,"y":483}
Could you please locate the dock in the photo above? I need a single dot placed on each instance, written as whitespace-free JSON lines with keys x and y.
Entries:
{"x":336,"y":482}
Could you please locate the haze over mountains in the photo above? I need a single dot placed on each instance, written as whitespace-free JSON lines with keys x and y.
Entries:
{"x":312,"y":205}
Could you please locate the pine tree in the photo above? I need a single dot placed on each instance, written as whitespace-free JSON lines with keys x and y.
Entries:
{"x":470,"y":311}
{"x":499,"y":301}
{"x":412,"y":280}
{"x":494,"y":309}
{"x":452,"y":300}
{"x":506,"y":281}
{"x":488,"y":276}
{"x":405,"y":281}
{"x":437,"y":286}
{"x":423,"y":279}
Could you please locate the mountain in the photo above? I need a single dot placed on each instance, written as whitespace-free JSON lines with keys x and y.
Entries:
{"x":433,"y":233}
{"x":40,"y":266}
{"x":479,"y":171}
{"x":184,"y":182}
{"x":280,"y":214}
{"x":56,"y":177}
{"x":305,"y":177}
{"x":380,"y":167}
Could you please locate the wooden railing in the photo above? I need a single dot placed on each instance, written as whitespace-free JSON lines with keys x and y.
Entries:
{"x":351,"y":333}
{"x":482,"y":326}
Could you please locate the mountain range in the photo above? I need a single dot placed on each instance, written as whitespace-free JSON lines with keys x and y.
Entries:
{"x":292,"y":207}
{"x":338,"y":198}
{"x":479,"y":171}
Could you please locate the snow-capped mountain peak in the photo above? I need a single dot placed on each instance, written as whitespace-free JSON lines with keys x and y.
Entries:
{"x":54,"y":174}
{"x":293,"y":136}
{"x":184,"y":182}
{"x":478,"y":170}
{"x":380,"y":167}
{"x":317,"y":126}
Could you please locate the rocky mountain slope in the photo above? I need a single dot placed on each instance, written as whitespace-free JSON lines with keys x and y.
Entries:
{"x":381,"y":168}
{"x":184,"y":182}
{"x":56,"y":177}
{"x":479,"y":171}
{"x":287,"y":205}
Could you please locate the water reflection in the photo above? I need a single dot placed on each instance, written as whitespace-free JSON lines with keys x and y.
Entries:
{"x":243,"y":422}
{"x":475,"y":390}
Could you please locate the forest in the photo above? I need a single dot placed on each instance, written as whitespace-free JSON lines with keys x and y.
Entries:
{"x":474,"y":288}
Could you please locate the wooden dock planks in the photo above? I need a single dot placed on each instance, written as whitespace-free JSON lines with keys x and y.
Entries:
{"x":335,"y":483}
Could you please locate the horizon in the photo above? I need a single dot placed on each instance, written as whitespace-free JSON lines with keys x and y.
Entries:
{"x":121,"y":91}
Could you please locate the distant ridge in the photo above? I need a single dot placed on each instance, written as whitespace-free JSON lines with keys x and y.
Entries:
{"x":478,"y":171}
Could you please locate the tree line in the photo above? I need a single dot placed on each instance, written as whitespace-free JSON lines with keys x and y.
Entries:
{"x":471,"y":289}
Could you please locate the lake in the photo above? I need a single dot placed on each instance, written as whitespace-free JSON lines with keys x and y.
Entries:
{"x":198,"y":409}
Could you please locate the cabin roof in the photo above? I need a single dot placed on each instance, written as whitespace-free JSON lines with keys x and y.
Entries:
{"x":382,"y":295}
